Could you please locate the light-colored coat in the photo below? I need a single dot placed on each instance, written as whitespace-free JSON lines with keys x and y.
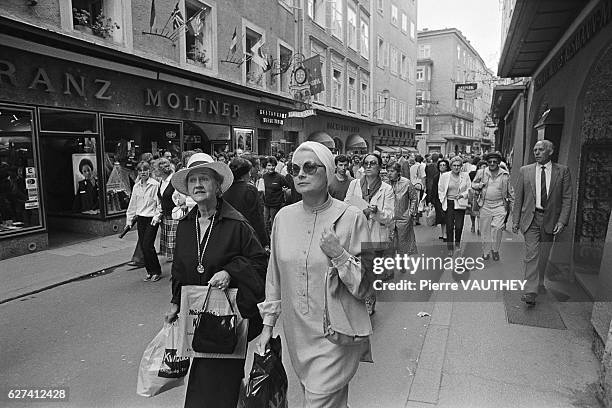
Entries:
{"x":464,"y":185}
{"x":559,"y":204}
{"x":384,"y":199}
{"x":481,"y":183}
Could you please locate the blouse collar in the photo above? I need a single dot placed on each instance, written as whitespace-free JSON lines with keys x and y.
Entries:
{"x":319,"y":208}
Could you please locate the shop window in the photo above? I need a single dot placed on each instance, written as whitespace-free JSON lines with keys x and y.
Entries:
{"x":101,"y":18}
{"x":255,"y":64}
{"x":394,"y":15}
{"x":19,"y":174}
{"x":56,"y":120}
{"x":364,"y":35}
{"x":71,"y":182}
{"x":365,"y":98}
{"x":394,"y":60}
{"x":337,"y":19}
{"x":126,"y":140}
{"x":199,"y":34}
{"x":352,"y":94}
{"x":352,"y":27}
{"x":285,"y":55}
{"x":337,"y":89}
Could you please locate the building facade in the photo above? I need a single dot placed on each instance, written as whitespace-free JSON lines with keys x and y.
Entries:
{"x":394,"y":71}
{"x":453,"y":94}
{"x":567,"y":100}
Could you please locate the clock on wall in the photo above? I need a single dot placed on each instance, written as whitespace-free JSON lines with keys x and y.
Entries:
{"x":299,"y":75}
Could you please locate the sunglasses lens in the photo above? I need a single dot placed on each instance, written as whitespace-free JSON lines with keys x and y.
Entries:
{"x":295,"y":168}
{"x":370,"y":164}
{"x":309,"y":168}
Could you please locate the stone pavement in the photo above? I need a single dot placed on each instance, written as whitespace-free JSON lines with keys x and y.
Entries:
{"x":27,"y":274}
{"x":465,"y":354}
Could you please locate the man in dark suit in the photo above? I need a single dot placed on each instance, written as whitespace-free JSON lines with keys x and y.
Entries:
{"x":542,"y":206}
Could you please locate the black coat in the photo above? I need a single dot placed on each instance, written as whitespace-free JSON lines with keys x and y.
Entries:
{"x":232,"y":247}
{"x":245,"y":198}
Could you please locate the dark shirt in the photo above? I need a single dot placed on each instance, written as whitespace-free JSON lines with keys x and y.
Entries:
{"x":86,"y":198}
{"x":274,"y":195}
{"x":431,"y":171}
{"x":167,"y":204}
{"x":245,"y":198}
{"x":232,"y":247}
{"x":337,"y":188}
{"x":294,"y":197}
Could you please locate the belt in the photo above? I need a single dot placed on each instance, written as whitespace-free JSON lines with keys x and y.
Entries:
{"x":539,"y":210}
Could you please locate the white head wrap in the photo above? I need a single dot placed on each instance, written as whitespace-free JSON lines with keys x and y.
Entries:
{"x":323,"y":154}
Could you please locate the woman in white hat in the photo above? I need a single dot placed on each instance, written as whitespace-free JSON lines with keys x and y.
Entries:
{"x":215,"y":246}
{"x":308,"y":238}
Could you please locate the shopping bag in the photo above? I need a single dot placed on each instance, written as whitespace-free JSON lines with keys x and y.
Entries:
{"x":266,"y":386}
{"x":430,"y":216}
{"x":215,"y":333}
{"x":160,"y":368}
{"x":193,"y":298}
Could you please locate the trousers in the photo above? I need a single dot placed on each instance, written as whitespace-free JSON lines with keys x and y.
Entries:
{"x":454,"y":225}
{"x":338,"y":399}
{"x":538,"y":244}
{"x":146,"y":235}
{"x":491,"y":227}
{"x":269,"y":215}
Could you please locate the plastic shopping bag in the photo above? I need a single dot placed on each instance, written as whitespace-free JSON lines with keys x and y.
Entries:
{"x":267,"y":383}
{"x":160,"y":368}
{"x":430,"y":216}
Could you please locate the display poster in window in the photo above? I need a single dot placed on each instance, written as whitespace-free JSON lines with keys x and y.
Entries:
{"x":85,"y":183}
{"x":243,"y":140}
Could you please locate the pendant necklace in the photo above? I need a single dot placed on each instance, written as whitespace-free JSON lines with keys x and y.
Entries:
{"x":200,"y":267}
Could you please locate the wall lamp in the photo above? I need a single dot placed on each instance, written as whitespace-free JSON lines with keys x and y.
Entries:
{"x":385,"y":95}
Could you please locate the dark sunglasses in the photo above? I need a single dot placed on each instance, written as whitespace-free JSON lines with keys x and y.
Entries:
{"x":309,"y":168}
{"x":493,"y":161}
{"x":370,"y":163}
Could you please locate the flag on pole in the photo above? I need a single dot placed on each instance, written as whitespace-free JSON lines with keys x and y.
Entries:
{"x":152,"y":20}
{"x":234,"y":42}
{"x":195,"y":24}
{"x":177,"y":18}
{"x":256,"y":56}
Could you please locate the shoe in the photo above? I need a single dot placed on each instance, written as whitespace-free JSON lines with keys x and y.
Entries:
{"x":442,"y":238}
{"x":486,"y":257}
{"x":147,"y":278}
{"x":479,"y":231}
{"x":473,"y":229}
{"x":136,"y":264}
{"x":155,"y":278}
{"x":529,"y":299}
{"x":495,"y":255}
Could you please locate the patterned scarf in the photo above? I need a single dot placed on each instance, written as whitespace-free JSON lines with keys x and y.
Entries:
{"x":366,"y":193}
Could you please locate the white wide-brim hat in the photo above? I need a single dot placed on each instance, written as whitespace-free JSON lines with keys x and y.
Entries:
{"x":202,"y":161}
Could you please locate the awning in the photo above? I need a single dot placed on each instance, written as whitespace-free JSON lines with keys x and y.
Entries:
{"x":503,"y":98}
{"x":356,"y":142}
{"x":460,"y":138}
{"x":322,"y":138}
{"x":535,"y":28}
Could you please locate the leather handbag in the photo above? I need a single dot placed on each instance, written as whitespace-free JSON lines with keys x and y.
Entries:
{"x":214,"y":333}
{"x":345,"y":319}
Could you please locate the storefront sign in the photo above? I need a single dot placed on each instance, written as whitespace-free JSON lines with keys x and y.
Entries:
{"x":30,"y":205}
{"x":27,"y":77}
{"x":403,"y":136}
{"x":466,"y":91}
{"x":590,"y":27}
{"x":341,"y":127}
{"x":272,"y":117}
{"x":301,"y":114}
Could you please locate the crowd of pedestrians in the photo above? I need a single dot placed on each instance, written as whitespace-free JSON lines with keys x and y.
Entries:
{"x":308,"y":218}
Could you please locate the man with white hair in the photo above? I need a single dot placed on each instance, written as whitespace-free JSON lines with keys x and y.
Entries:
{"x":543,"y":202}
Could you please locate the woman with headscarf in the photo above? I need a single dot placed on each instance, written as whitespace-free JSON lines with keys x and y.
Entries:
{"x":379,"y":212}
{"x":215,"y":246}
{"x":309,"y":238}
{"x":443,"y":166}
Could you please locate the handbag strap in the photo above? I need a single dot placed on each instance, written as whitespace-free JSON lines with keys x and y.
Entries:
{"x":208,"y":297}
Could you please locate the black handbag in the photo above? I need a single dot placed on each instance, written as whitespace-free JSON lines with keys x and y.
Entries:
{"x":213,"y":333}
